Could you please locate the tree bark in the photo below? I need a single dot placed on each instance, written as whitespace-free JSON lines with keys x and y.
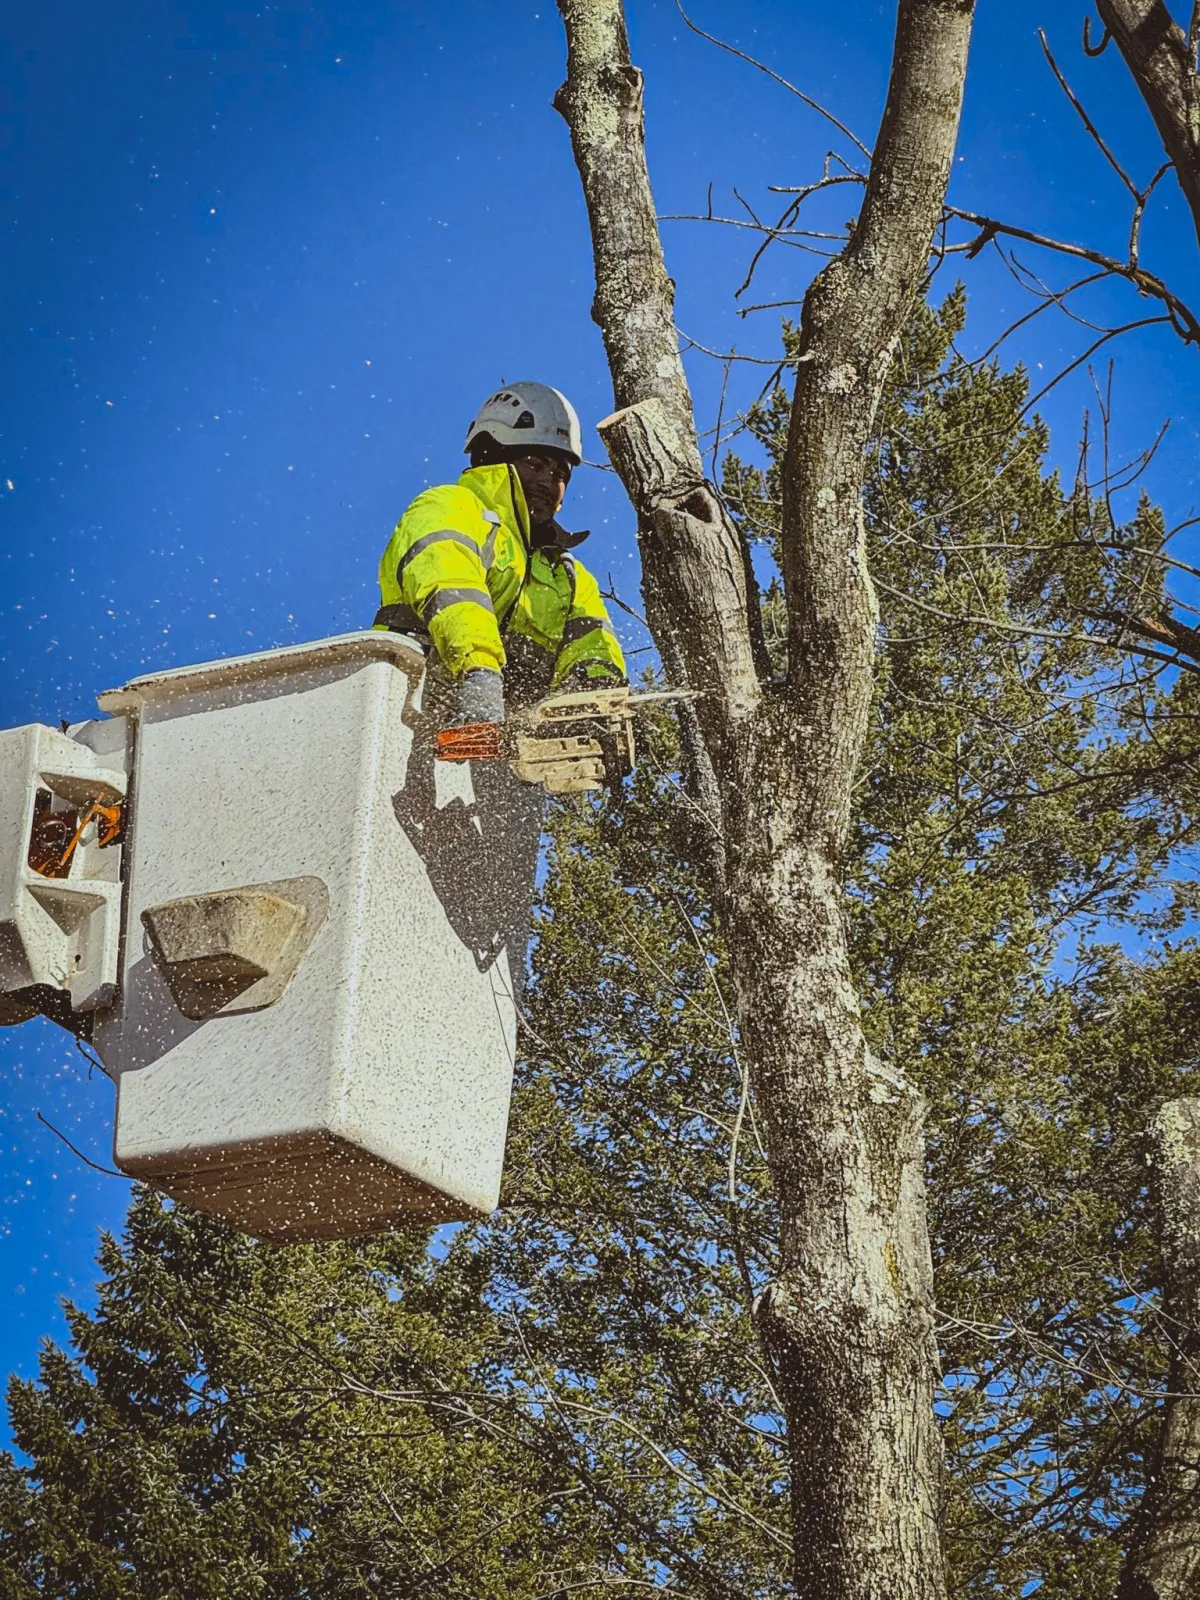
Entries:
{"x":694,"y":575}
{"x":1156,"y":52}
{"x":850,"y":1319}
{"x":682,"y":525}
{"x":1165,"y":1561}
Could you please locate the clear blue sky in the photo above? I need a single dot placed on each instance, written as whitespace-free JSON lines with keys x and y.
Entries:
{"x":260,"y":264}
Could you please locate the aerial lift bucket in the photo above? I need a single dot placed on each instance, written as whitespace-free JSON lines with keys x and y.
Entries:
{"x":294,"y":946}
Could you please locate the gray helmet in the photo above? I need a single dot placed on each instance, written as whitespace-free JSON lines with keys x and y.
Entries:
{"x":530,"y":414}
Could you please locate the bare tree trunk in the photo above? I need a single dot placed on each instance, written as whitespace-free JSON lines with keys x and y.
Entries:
{"x":849,"y":1320}
{"x":1163,"y":63}
{"x":1165,"y":1561}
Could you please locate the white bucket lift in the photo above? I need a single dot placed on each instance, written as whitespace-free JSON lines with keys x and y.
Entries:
{"x":310,"y":1015}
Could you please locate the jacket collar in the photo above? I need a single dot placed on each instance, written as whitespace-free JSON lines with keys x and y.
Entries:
{"x":499,"y":489}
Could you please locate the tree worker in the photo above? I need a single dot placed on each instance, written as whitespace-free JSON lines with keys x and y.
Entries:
{"x":482,"y":569}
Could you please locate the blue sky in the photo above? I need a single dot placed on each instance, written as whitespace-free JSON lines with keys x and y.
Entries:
{"x":260,"y":264}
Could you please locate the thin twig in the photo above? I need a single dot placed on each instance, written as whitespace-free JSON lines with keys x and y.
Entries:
{"x":89,"y":1055}
{"x":1090,"y":49}
{"x":737,"y":1060}
{"x":1111,"y":333}
{"x":825,"y":181}
{"x":670,"y":1587}
{"x":108,"y":1172}
{"x":753,"y":226}
{"x":1056,"y":635}
{"x":611,"y":594}
{"x":716,"y":445}
{"x":787,"y":236}
{"x":756,"y":361}
{"x":1051,"y":300}
{"x":1086,"y":120}
{"x":813,"y":105}
{"x":1139,"y":211}
{"x":768,"y":305}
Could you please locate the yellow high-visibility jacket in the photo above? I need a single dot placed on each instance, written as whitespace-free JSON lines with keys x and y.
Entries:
{"x":459,"y":568}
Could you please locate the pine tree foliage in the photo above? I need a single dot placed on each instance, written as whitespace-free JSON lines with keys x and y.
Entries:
{"x":240,"y":1420}
{"x":572,"y":1398}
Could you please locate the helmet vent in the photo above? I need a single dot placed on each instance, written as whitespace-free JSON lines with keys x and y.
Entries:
{"x":525,"y":420}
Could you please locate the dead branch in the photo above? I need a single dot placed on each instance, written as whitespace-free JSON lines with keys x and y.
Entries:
{"x":108,"y":1172}
{"x":1091,"y":127}
{"x":1089,"y":48}
{"x":1187,"y":325}
{"x":1163,"y":628}
{"x":787,"y":236}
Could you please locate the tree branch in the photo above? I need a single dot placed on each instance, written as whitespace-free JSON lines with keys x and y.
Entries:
{"x":813,"y":105}
{"x":1185,"y":320}
{"x":1091,"y":127}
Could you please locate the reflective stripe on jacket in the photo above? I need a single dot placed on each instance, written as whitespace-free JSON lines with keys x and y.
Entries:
{"x":458,"y":567}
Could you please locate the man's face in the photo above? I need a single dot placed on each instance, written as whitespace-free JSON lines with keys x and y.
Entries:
{"x":544,"y":480}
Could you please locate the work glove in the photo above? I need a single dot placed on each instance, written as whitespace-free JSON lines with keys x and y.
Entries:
{"x":475,"y":731}
{"x":480,"y":697}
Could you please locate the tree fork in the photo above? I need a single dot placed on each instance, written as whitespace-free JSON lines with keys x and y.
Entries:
{"x":849,"y":1321}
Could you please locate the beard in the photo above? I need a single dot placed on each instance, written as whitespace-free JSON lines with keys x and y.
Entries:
{"x":542,"y":504}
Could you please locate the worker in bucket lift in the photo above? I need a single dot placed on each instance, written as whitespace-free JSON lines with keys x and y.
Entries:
{"x":483,"y":569}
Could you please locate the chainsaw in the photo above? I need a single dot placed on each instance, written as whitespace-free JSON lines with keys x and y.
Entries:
{"x":567,"y":743}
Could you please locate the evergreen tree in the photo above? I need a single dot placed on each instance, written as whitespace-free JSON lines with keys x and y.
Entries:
{"x":240,"y":1420}
{"x":573,"y":1394}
